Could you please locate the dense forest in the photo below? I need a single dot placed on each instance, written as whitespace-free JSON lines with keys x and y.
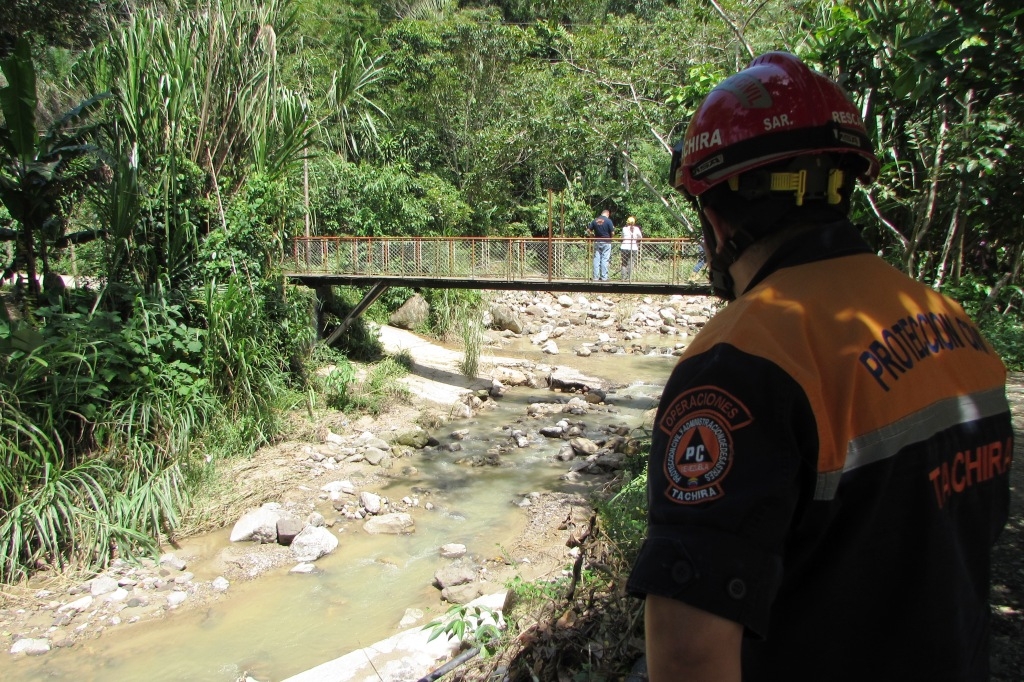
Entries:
{"x":166,"y":154}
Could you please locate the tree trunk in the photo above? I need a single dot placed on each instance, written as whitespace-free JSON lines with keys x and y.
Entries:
{"x":955,"y":234}
{"x":924,"y":223}
{"x":1011,"y":276}
{"x":951,"y":235}
{"x":305,"y":195}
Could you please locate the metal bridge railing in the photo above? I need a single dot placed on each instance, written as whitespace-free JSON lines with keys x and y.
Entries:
{"x":506,"y":259}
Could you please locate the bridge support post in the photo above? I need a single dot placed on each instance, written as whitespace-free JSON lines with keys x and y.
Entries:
{"x":372,"y":295}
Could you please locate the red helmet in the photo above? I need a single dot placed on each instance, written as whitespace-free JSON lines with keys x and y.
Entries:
{"x":775,"y":109}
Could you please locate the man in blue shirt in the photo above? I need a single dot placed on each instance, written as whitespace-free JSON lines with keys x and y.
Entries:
{"x":602,"y":228}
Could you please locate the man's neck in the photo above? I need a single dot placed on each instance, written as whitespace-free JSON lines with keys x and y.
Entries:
{"x":750,"y":262}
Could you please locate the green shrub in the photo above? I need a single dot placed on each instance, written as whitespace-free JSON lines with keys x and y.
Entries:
{"x":471,"y":625}
{"x":336,"y":385}
{"x":456,"y":314}
{"x":624,"y":517}
{"x":1000,"y":318}
{"x":381,"y":387}
{"x":101,"y":413}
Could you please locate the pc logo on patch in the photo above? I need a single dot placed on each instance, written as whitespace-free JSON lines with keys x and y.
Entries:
{"x":699,"y":424}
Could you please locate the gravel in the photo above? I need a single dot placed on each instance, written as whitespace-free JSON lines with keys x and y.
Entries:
{"x":1008,"y":560}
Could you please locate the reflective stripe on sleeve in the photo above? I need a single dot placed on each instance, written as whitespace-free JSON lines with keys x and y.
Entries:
{"x":914,"y":428}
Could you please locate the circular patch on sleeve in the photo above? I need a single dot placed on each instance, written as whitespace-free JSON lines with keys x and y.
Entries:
{"x":699,"y":424}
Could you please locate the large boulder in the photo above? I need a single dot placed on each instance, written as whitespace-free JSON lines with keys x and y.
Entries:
{"x":503,"y":317}
{"x":418,"y":439}
{"x":461,"y":594}
{"x":313,"y":543}
{"x":457,"y":573}
{"x":412,"y":314}
{"x":398,"y":523}
{"x":569,"y":380}
{"x":258,"y":525}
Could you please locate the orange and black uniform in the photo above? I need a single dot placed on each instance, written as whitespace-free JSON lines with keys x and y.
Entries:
{"x":829,"y":468}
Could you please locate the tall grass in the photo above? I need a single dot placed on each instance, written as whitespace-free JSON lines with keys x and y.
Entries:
{"x":624,"y":515}
{"x":471,"y":331}
{"x":457,"y":315}
{"x":240,"y":357}
{"x":60,"y":506}
{"x":199,"y":110}
{"x":100,"y":416}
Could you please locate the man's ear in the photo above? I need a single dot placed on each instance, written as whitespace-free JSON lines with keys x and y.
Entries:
{"x":723,"y":230}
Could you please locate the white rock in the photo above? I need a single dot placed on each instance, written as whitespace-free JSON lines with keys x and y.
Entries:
{"x":31,"y":647}
{"x":390,"y":524}
{"x":118,"y":595}
{"x":370,"y":501}
{"x":102,"y":585}
{"x":171,"y":560}
{"x":313,"y":543}
{"x":220,"y":584}
{"x":453,"y":550}
{"x":77,"y":605}
{"x":339,"y":487}
{"x":176,"y":598}
{"x":259,"y":524}
{"x":411,"y":617}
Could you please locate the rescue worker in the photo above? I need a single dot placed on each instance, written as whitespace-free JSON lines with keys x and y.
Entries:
{"x":829,"y":465}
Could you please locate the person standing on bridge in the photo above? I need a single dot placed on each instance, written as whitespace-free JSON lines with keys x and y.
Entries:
{"x":829,"y":464}
{"x":602,"y":228}
{"x":631,"y":235}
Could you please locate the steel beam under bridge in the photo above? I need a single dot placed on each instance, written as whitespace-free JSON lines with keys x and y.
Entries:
{"x":659,"y":266}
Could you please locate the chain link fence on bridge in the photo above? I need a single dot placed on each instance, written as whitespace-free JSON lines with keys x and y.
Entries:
{"x":658,"y":261}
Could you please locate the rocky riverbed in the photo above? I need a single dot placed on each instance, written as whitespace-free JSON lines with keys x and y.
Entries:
{"x":346,"y":461}
{"x":342,"y":463}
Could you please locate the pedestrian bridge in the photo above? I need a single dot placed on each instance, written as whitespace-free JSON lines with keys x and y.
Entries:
{"x":661,"y":266}
{"x":527,"y":263}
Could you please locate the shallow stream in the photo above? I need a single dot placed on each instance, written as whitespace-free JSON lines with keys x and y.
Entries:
{"x":282,"y":623}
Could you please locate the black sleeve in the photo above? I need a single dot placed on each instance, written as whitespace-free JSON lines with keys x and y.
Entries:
{"x":734,"y":444}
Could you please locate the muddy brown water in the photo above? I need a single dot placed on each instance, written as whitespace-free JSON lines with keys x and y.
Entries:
{"x":282,"y":623}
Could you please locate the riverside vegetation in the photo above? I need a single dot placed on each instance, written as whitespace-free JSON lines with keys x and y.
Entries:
{"x":165,"y":155}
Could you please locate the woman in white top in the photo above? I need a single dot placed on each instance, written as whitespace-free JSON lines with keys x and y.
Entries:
{"x":630,"y":248}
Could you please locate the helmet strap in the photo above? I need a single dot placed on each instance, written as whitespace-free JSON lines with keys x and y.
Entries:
{"x":812,"y":177}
